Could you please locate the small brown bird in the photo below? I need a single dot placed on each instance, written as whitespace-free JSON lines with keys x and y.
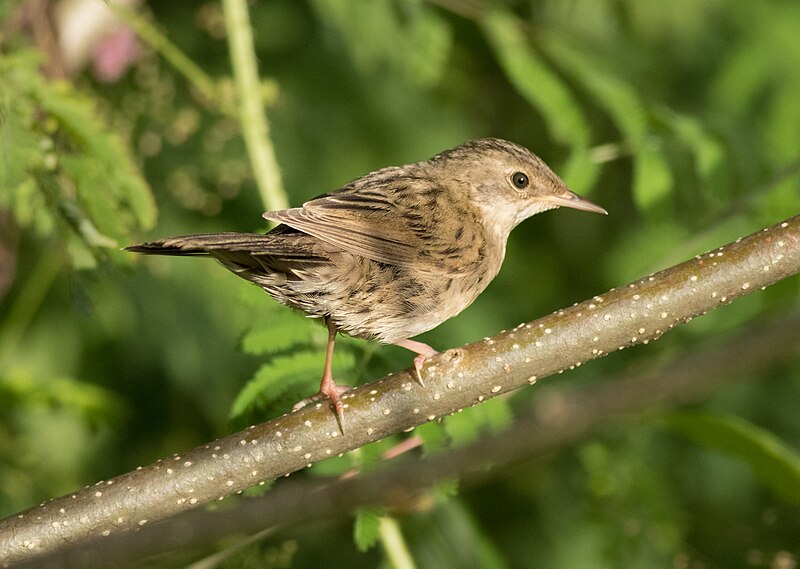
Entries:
{"x":394,"y":253}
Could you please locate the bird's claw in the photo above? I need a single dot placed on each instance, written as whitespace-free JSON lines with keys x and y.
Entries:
{"x":333,"y":394}
{"x":418,"y":362}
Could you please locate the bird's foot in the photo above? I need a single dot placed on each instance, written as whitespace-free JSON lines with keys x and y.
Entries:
{"x":330,"y":391}
{"x":424,"y":352}
{"x":418,"y":363}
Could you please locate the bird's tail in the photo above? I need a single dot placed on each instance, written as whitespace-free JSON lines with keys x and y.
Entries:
{"x":204,"y":244}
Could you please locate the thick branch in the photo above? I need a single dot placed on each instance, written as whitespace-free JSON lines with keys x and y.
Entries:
{"x":556,"y":420}
{"x":637,"y":313}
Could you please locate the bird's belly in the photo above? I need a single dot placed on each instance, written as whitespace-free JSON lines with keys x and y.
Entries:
{"x":373,"y":300}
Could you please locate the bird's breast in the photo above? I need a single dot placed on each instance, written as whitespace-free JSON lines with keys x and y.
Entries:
{"x":392,"y":303}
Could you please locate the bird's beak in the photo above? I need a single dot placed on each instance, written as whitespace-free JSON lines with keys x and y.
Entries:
{"x":574,"y":201}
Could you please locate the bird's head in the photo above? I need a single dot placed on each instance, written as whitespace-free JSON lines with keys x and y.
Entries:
{"x":508,"y":182}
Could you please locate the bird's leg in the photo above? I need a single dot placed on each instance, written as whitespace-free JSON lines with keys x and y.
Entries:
{"x":423,"y":351}
{"x":327,"y":387}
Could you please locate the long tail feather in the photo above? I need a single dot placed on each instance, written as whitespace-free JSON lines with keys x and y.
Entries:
{"x":204,"y":243}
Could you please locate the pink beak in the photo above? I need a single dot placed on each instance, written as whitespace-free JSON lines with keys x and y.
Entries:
{"x":574,"y":201}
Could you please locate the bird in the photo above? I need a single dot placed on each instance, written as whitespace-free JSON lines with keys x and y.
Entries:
{"x":396,"y":252}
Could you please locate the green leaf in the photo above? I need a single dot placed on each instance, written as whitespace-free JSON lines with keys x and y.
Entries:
{"x":114,"y":171}
{"x":282,"y":330}
{"x":534,"y":79}
{"x":273,"y":379}
{"x":614,"y":95}
{"x":782,"y":132}
{"x":30,"y":207}
{"x":434,"y":436}
{"x":708,"y":152}
{"x":445,"y":489}
{"x":21,"y":389}
{"x":406,"y":35}
{"x":467,"y":425}
{"x":296,"y":373}
{"x":59,"y":161}
{"x":775,"y":463}
{"x":653,"y":180}
{"x":333,"y":466}
{"x":21,"y":149}
{"x":365,"y":529}
{"x":580,"y":172}
{"x":98,"y":205}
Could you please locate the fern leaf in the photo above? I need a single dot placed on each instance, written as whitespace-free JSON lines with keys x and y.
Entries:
{"x":283,"y":329}
{"x":299,"y":372}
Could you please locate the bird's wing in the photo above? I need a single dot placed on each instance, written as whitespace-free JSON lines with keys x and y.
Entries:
{"x":395,"y":223}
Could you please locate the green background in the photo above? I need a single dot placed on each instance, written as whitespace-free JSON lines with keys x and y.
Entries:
{"x":681,"y":118}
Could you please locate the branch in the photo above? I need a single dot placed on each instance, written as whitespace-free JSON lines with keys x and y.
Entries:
{"x":558,"y":419}
{"x":637,"y":313}
{"x":252,"y":119}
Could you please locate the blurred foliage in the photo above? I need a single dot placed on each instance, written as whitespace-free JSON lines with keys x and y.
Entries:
{"x":681,"y":118}
{"x":365,"y":529}
{"x":61,"y":167}
{"x":776,"y":465}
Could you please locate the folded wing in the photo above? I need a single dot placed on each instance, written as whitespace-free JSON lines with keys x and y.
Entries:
{"x":394,"y":222}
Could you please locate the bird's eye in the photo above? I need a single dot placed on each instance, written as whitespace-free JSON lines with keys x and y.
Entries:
{"x":520,"y":180}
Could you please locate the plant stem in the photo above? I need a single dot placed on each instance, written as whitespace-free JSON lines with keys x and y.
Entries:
{"x":393,"y":544}
{"x":169,"y":51}
{"x":252,"y":118}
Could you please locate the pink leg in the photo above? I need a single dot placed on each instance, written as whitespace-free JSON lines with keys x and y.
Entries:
{"x":423,"y":351}
{"x":327,"y":387}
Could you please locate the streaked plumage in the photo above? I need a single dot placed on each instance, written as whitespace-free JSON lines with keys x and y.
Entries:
{"x":396,"y":252}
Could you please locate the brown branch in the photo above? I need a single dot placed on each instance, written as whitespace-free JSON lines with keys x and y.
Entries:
{"x":637,"y":313}
{"x":557,"y":419}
